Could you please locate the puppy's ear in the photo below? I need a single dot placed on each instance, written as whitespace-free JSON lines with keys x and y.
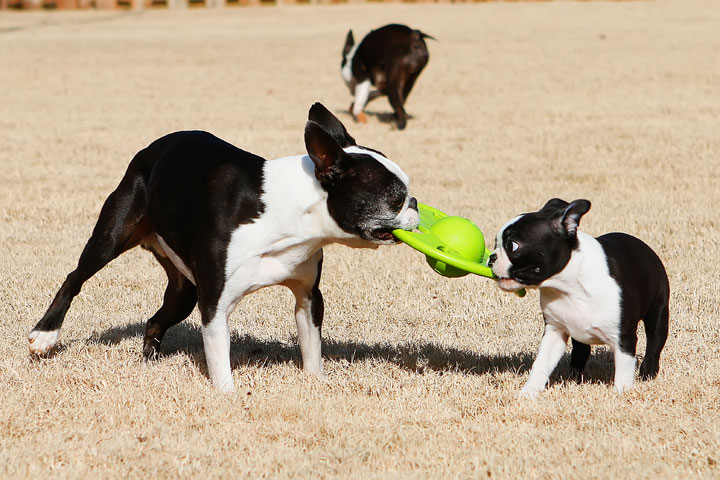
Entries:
{"x":330,"y":123}
{"x":567,"y":221}
{"x":349,"y":43}
{"x":553,"y":205}
{"x":325,"y":152}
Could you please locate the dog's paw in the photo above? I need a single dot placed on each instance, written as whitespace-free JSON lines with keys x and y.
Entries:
{"x":361,"y":117}
{"x":529,"y":393}
{"x":42,"y":342}
{"x":620,"y":388}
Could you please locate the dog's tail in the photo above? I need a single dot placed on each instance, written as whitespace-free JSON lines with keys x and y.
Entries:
{"x":424,"y":35}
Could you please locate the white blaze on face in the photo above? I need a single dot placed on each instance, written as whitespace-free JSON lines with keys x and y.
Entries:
{"x":408,"y":218}
{"x":389,"y":164}
{"x":501,"y":266}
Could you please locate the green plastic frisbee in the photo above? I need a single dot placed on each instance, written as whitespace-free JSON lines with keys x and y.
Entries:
{"x":453,"y":246}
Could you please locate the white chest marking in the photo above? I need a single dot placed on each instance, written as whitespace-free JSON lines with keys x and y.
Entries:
{"x":346,"y":71}
{"x":583,"y":299}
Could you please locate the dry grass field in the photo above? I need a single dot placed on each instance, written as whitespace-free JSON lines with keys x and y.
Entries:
{"x":617,"y":102}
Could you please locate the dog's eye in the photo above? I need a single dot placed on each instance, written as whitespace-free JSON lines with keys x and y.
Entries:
{"x":397,"y":203}
{"x":514,"y":246}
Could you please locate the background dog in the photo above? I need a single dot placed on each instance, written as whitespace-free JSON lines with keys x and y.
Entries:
{"x":389,"y":59}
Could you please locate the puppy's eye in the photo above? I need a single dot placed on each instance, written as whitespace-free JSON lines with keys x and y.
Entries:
{"x":514,"y":246}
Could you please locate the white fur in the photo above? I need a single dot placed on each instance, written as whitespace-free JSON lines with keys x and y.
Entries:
{"x":583,"y":299}
{"x":282,"y":247}
{"x":42,"y":342}
{"x":389,"y":164}
{"x":624,"y":370}
{"x":362,"y":92}
{"x":177,"y":261}
{"x":552,"y":348}
{"x":346,"y":70}
{"x":501,"y":265}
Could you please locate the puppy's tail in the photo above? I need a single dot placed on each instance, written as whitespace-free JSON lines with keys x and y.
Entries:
{"x":424,"y":35}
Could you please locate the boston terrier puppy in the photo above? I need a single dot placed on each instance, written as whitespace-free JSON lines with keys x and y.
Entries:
{"x":389,"y":59}
{"x":224,"y":223}
{"x":593,"y":290}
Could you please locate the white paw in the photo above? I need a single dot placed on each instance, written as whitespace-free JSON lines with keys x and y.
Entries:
{"x":42,"y":342}
{"x":530,"y":393}
{"x":621,"y":388}
{"x":226,"y":387}
{"x":315,"y":372}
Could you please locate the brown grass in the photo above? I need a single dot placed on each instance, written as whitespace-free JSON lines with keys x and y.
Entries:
{"x":615,"y":102}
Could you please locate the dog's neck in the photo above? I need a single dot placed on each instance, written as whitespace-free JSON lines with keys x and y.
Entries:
{"x":580,"y":275}
{"x":296,"y":201}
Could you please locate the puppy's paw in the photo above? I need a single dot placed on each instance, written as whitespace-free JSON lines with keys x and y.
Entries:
{"x":361,"y":117}
{"x":529,"y":393}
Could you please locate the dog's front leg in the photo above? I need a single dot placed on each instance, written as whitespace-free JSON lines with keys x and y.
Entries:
{"x":624,"y":370}
{"x":309,"y":311}
{"x":552,"y":348}
{"x":216,"y":340}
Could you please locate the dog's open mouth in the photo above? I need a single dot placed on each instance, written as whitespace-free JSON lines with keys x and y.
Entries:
{"x":508,"y":284}
{"x":384,"y":235}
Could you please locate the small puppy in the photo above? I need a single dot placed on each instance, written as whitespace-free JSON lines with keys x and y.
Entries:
{"x":224,"y":223}
{"x":593,"y":290}
{"x":390,"y":59}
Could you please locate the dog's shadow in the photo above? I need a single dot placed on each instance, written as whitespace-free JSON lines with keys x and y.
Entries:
{"x":248,"y":350}
{"x":381,"y":116}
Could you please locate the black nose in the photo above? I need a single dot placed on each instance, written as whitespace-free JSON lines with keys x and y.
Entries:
{"x":413,"y":203}
{"x":491,"y":260}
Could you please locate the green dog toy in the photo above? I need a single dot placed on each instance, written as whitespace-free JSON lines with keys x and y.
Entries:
{"x":453,"y":246}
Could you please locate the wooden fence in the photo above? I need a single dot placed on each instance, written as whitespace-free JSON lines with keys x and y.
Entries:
{"x":142,"y":4}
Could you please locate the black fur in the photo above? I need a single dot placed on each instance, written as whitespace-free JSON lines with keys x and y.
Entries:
{"x":392,"y":57}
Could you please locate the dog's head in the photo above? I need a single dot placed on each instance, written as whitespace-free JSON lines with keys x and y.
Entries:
{"x":346,"y":66}
{"x":368,"y":194}
{"x":533,"y":247}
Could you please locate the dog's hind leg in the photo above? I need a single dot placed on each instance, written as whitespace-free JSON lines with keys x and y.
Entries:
{"x":309,"y":312}
{"x":119,"y":228}
{"x":578,"y":358}
{"x":395,"y":90}
{"x":179,"y":301}
{"x":409,"y":84}
{"x":656,"y":331}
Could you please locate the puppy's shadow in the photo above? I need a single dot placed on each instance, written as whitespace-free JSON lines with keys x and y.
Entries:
{"x":248,"y":350}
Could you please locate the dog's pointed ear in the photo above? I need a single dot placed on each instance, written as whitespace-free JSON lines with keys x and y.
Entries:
{"x":567,"y":220}
{"x":330,"y":123}
{"x":325,"y":153}
{"x":553,"y":205}
{"x":349,"y":43}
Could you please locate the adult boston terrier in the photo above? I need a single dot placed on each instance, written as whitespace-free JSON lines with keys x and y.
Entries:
{"x":223,"y":223}
{"x":593,"y":290}
{"x":390,"y":59}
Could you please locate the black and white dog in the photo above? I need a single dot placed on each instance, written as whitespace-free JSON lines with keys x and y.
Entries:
{"x":224,"y":223}
{"x":390,"y":59}
{"x":593,"y":290}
